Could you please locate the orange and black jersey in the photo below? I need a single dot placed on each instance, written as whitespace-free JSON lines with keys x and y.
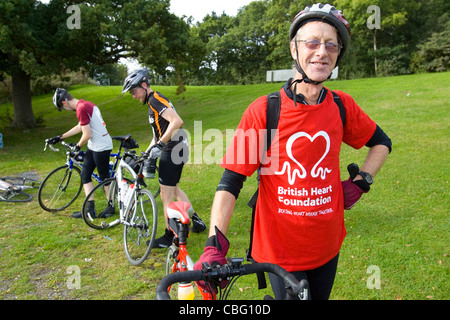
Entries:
{"x":157,"y":104}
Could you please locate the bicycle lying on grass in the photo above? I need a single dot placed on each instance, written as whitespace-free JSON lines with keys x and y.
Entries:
{"x":63,"y":185}
{"x":180,"y":267}
{"x":12,"y":189}
{"x":136,"y":207}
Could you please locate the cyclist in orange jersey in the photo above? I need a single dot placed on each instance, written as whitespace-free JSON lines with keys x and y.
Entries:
{"x":169,"y":144}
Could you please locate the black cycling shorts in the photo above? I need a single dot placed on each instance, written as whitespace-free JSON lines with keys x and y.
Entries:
{"x":171,"y":166}
{"x":92,"y":160}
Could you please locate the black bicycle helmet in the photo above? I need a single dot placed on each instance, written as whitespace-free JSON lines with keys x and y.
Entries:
{"x":135,"y":79}
{"x":59,"y":97}
{"x":328,"y":14}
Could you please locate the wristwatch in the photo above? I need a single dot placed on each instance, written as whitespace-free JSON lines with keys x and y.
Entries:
{"x":367,"y":177}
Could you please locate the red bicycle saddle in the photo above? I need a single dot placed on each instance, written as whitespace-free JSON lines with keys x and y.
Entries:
{"x":180,"y":210}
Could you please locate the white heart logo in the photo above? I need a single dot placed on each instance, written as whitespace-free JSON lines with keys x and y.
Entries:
{"x":301,"y":173}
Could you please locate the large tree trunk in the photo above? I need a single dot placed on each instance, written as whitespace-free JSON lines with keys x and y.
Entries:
{"x":23,"y":111}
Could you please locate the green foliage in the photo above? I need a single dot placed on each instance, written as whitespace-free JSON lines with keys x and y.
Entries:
{"x":109,"y":74}
{"x":434,"y":54}
{"x":257,"y":38}
{"x":36,"y":42}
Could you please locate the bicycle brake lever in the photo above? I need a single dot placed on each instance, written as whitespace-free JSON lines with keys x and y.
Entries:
{"x":235,"y":262}
{"x":141,"y":181}
{"x":303,"y":293}
{"x":51,"y":147}
{"x":206,"y":267}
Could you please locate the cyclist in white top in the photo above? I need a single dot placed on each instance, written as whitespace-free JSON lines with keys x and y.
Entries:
{"x":93,"y":134}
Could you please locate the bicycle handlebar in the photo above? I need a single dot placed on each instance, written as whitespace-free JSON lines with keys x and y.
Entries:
{"x":68,"y":146}
{"x":53,"y":147}
{"x":294,"y":288}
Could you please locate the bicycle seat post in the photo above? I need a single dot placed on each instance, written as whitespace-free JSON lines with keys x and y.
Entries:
{"x":179,"y":214}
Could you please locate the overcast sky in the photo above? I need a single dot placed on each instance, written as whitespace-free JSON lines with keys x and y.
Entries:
{"x":200,"y":8}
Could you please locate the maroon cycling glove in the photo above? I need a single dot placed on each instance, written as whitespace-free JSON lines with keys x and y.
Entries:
{"x":216,"y":249}
{"x":352,"y":193}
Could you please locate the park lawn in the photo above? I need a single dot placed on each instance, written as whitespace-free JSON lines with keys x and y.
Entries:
{"x":397,"y":234}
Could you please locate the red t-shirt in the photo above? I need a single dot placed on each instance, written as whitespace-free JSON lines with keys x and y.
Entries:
{"x":299,"y":222}
{"x":89,"y":114}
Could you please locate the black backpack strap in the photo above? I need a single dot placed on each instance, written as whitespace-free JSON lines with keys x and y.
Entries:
{"x":338,"y":101}
{"x":273,"y":116}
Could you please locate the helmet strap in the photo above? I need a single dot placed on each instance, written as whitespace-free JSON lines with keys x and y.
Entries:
{"x":146,"y":95}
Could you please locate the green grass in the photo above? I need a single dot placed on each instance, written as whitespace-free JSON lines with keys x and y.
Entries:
{"x":401,"y":226}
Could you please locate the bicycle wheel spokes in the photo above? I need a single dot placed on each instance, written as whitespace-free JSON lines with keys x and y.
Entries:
{"x":106,"y":205}
{"x":140,"y":229}
{"x":60,"y":188}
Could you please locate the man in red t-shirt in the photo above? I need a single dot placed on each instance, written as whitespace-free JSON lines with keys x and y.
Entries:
{"x":299,"y":217}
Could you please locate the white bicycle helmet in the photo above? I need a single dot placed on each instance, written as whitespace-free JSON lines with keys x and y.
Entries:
{"x":328,"y":14}
{"x":59,"y":97}
{"x":135,"y":79}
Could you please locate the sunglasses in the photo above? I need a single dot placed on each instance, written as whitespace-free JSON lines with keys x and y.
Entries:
{"x":133,"y":91}
{"x":331,"y":47}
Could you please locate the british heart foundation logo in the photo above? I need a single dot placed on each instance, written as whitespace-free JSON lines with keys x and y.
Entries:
{"x":300,"y":171}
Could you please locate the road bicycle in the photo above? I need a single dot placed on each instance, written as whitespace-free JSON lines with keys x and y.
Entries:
{"x":12,"y":189}
{"x":180,"y":267}
{"x":125,"y":194}
{"x":63,"y":185}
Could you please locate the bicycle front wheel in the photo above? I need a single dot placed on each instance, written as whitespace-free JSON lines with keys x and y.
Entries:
{"x":140,"y":228}
{"x":172,"y":267}
{"x":105,"y":209}
{"x":60,"y":188}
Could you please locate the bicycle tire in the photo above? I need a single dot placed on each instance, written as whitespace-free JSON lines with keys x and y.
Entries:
{"x":60,"y":188}
{"x":172,"y":252}
{"x":15,"y":196}
{"x":139,"y":235}
{"x":156,"y":194}
{"x":102,"y":202}
{"x":170,"y":259}
{"x":157,"y":189}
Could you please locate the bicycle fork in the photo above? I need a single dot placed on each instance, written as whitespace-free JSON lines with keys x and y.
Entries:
{"x":183,"y":262}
